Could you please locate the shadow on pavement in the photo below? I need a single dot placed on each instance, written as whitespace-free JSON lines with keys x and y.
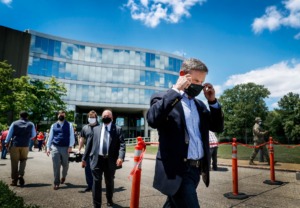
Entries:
{"x":118,"y":206}
{"x":221,"y":169}
{"x":34,"y":185}
{"x":70,"y":185}
{"x":119,"y":189}
{"x":2,"y":164}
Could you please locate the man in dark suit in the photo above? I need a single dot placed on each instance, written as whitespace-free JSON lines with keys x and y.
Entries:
{"x":106,"y":149}
{"x":183,"y":123}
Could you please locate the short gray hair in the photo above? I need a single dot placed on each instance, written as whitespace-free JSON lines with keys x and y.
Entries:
{"x":193,"y":64}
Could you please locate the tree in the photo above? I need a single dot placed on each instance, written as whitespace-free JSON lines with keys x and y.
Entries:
{"x":15,"y":94}
{"x":289,"y":109}
{"x":241,"y":105}
{"x":49,"y":95}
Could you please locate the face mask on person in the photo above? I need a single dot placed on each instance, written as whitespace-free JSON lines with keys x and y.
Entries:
{"x":260,"y":123}
{"x":92,"y":120}
{"x":61,"y":118}
{"x":194,"y":90}
{"x":106,"y":120}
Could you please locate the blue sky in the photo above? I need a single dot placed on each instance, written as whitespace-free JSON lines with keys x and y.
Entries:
{"x":239,"y":40}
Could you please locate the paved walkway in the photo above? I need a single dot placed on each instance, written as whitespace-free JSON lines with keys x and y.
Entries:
{"x":39,"y":176}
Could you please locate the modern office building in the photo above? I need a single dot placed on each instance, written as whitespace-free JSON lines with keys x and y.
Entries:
{"x":99,"y":76}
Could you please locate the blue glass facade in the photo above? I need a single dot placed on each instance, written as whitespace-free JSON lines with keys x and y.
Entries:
{"x":102,"y":75}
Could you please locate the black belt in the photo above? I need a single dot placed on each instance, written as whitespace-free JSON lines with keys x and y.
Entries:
{"x":103,"y":157}
{"x":193,"y":163}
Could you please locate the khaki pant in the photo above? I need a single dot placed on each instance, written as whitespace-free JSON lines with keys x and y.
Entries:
{"x":18,"y":154}
{"x":264,"y":151}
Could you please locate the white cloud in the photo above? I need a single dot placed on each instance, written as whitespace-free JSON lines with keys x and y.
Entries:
{"x":280,"y":78}
{"x":152,"y":12}
{"x":297,"y":36}
{"x":180,"y":53}
{"x":274,"y":18}
{"x":7,"y":2}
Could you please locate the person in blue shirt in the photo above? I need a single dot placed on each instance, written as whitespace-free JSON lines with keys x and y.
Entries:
{"x":20,"y":131}
{"x":183,"y":122}
{"x":60,"y":142}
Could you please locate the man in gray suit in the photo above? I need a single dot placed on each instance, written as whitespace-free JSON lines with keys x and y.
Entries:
{"x":106,"y":149}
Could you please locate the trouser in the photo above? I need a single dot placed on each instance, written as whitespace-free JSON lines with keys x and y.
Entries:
{"x":213,"y":155}
{"x":264,"y":152}
{"x":88,"y":174}
{"x":186,"y":196}
{"x":60,"y":157}
{"x":18,"y":154}
{"x":31,"y":144}
{"x":109,"y":175}
{"x":4,"y":150}
{"x":40,"y":144}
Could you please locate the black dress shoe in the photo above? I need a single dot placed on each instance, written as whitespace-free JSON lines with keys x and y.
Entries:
{"x":110,"y":203}
{"x":85,"y":190}
{"x":21,"y":181}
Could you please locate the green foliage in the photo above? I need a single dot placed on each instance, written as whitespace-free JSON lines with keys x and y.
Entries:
{"x":289,"y":110}
{"x":241,"y":105}
{"x":42,"y":99}
{"x":49,"y":95}
{"x":8,"y":199}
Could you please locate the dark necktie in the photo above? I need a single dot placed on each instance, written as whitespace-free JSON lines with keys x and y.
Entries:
{"x":105,"y":138}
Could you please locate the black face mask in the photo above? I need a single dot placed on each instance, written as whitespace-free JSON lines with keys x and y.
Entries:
{"x":106,"y":120}
{"x":193,"y":90}
{"x":61,"y":118}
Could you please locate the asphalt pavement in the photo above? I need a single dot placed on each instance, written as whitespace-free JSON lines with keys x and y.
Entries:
{"x":38,"y":187}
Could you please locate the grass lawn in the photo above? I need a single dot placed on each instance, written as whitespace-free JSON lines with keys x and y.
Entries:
{"x":281,"y":153}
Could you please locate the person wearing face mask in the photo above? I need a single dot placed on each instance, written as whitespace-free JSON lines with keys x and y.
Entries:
{"x":183,"y":123}
{"x":258,"y":138}
{"x":106,"y":150}
{"x":86,"y":133}
{"x":60,"y":142}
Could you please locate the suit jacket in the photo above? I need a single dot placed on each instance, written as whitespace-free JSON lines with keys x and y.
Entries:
{"x":117,"y":146}
{"x":167,"y":115}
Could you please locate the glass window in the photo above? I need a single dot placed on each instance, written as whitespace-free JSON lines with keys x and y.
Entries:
{"x":51,"y":48}
{"x":86,"y":73}
{"x":92,"y":74}
{"x":55,"y":68}
{"x":72,"y":92}
{"x":81,"y":53}
{"x":88,"y":52}
{"x":74,"y":72}
{"x":132,"y":58}
{"x":99,"y":55}
{"x":80,"y":72}
{"x":78,"y":92}
{"x":57,"y":45}
{"x":116,"y":57}
{"x":68,"y":71}
{"x":85,"y":93}
{"x":93,"y":54}
{"x":108,"y":96}
{"x":61,"y":71}
{"x":75,"y":55}
{"x":125,"y":97}
{"x":91,"y":93}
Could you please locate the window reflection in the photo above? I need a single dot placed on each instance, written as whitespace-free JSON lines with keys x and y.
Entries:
{"x":100,"y":66}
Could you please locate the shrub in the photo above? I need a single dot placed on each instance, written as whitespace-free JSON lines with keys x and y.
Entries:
{"x":9,"y":199}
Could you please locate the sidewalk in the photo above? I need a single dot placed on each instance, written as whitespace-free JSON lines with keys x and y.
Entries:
{"x":291,"y":167}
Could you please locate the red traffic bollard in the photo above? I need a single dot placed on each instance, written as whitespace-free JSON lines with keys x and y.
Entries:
{"x":272,"y":163}
{"x":136,"y":173}
{"x":235,"y":193}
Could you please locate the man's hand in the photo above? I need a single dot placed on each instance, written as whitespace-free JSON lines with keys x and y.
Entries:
{"x":69,"y":149}
{"x":209,"y":92}
{"x":119,"y":162}
{"x":183,"y":82}
{"x":83,"y":164}
{"x":48,"y":152}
